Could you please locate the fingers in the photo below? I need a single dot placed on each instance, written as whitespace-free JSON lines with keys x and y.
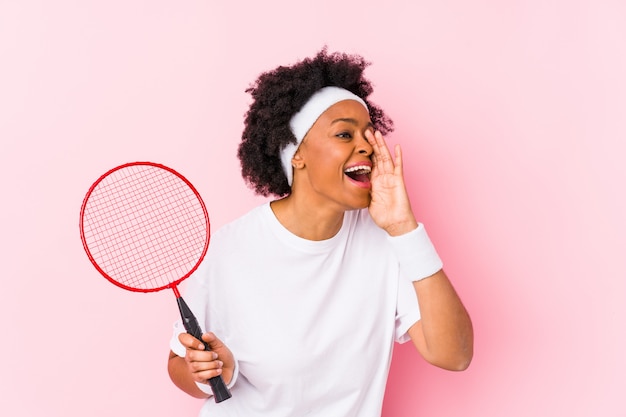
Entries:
{"x":213,"y":342}
{"x":379,"y":147}
{"x":383,"y":161}
{"x":203,"y":363}
{"x":190,"y":342}
{"x":398,"y":161}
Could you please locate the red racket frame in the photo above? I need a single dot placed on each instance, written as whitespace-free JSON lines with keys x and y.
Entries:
{"x":172,"y":285}
{"x":220,"y":390}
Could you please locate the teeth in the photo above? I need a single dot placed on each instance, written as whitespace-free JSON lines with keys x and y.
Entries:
{"x":359,"y":168}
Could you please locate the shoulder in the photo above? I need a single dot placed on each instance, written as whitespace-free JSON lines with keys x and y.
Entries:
{"x":251,"y":218}
{"x":227,"y":241}
{"x":239,"y":230}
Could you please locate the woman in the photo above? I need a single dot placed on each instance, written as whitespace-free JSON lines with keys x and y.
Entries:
{"x":308,"y":293}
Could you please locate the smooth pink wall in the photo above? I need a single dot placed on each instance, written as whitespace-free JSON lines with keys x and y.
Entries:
{"x":512,"y":116}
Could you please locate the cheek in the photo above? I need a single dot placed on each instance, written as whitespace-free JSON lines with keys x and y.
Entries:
{"x":323,"y":172}
{"x":325,"y":161}
{"x":330,"y":167}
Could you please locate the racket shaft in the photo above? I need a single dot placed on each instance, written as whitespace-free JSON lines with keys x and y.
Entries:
{"x":219,"y":388}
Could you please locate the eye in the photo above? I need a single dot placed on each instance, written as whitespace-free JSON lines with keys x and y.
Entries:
{"x":344,"y":135}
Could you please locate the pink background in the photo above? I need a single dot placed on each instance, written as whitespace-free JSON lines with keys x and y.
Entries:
{"x":512,"y":116}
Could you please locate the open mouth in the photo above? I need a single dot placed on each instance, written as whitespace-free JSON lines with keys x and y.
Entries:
{"x":359,"y":173}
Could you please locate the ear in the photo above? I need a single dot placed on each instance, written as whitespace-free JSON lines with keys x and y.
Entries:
{"x":297,"y":162}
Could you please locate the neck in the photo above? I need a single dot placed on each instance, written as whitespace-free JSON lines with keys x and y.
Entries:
{"x":307,"y":220}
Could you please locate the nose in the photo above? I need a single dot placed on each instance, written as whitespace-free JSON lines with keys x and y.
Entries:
{"x":363,"y":146}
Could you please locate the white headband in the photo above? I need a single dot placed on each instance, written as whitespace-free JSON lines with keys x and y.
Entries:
{"x":304,"y":119}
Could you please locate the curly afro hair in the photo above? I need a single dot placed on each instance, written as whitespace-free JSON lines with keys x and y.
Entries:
{"x":279,"y":94}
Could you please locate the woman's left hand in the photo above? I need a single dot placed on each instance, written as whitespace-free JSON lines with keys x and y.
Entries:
{"x":389,"y":207}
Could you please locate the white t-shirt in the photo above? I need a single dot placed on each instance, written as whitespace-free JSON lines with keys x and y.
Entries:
{"x":310,"y":323}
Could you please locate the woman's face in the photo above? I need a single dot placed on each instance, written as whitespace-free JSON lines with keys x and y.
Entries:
{"x":334,"y":158}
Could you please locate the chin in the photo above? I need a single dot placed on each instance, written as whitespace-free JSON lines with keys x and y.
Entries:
{"x":363,"y":203}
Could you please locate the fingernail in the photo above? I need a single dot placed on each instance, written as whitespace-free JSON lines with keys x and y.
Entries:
{"x":214,"y":355}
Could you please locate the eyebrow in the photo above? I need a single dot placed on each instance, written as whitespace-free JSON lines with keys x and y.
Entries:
{"x":351,"y":121}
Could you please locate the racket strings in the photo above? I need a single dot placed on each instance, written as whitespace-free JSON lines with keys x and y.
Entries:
{"x":145,"y":227}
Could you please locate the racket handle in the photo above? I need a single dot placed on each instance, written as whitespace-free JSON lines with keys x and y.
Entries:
{"x":219,"y":388}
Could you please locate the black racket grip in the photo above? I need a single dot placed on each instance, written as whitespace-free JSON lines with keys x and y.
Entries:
{"x":219,"y":388}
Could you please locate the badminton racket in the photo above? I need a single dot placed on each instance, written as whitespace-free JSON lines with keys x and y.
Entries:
{"x":145,"y":228}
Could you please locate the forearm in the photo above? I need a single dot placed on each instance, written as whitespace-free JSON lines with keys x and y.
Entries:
{"x":181,"y":377}
{"x":444,"y":334}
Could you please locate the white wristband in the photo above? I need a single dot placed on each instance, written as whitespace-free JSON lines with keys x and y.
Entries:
{"x":206,"y":388}
{"x":416,"y":254}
